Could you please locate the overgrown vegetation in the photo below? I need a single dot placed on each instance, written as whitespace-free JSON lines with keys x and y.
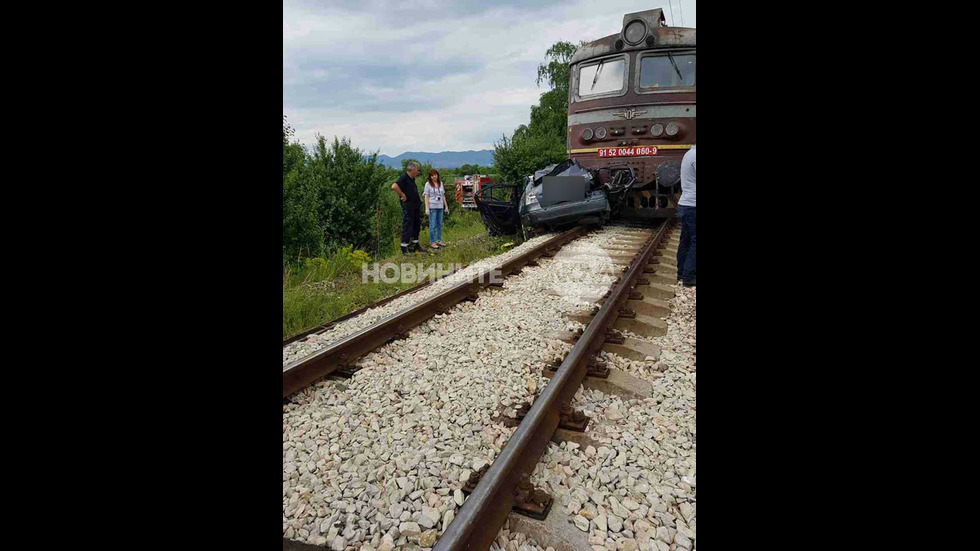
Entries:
{"x":338,"y":211}
{"x":319,"y":290}
{"x":331,"y":197}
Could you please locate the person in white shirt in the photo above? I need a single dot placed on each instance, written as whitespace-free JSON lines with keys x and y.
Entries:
{"x":436,"y":206}
{"x":687,"y":212}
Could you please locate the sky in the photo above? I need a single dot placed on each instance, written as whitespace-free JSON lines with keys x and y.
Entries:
{"x":431,"y":75}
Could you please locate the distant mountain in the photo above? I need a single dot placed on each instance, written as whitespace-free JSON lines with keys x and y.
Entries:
{"x":446,"y":159}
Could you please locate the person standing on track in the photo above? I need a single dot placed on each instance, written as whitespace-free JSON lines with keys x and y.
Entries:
{"x":687,"y":212}
{"x":411,"y":208}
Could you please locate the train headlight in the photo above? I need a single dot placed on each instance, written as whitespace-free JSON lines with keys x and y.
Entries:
{"x":657,"y":130}
{"x":673,"y":129}
{"x":587,"y":135}
{"x":600,"y":133}
{"x":635,"y":32}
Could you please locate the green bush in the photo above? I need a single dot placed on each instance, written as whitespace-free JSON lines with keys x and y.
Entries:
{"x":342,"y":262}
{"x":544,"y":140}
{"x":390,"y":219}
{"x":331,"y":198}
{"x":316,"y":265}
{"x":527,"y":153}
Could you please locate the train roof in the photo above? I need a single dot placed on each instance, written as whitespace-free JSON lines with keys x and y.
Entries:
{"x":657,"y":35}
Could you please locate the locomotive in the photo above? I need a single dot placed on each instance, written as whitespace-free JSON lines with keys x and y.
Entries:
{"x":632,"y":116}
{"x":633,"y":102}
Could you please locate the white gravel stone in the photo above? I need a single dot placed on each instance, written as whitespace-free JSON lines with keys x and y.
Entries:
{"x":643,"y":468}
{"x":299,"y":350}
{"x":430,"y":518}
{"x":410,"y":529}
{"x":363,"y":459}
{"x":688,"y":511}
{"x":615,"y":524}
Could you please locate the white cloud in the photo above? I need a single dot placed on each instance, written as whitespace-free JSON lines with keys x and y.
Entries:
{"x":431,"y":76}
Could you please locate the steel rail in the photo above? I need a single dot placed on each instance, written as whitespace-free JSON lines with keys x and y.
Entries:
{"x":485,"y":512}
{"x":302,"y":373}
{"x":330,"y":324}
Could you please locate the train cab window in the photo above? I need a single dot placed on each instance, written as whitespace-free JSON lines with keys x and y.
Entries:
{"x":668,"y":71}
{"x":602,"y":78}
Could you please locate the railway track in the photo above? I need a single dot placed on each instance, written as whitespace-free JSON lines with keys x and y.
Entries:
{"x":333,"y":323}
{"x":387,"y":300}
{"x":634,"y":307}
{"x":401,"y":294}
{"x":484,"y":513}
{"x":301,"y":373}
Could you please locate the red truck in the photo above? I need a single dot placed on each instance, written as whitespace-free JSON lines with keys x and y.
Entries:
{"x":467,"y":188}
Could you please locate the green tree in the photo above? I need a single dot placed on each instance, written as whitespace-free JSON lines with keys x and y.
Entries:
{"x":555,"y":70}
{"x":292,"y":154}
{"x":300,"y":226}
{"x":519,"y":157}
{"x":349,"y":186}
{"x":331,"y":198}
{"x":544,"y":140}
{"x":550,"y":116}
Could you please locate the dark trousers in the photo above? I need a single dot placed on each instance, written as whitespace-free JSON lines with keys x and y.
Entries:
{"x":411,"y":224}
{"x":687,"y":252}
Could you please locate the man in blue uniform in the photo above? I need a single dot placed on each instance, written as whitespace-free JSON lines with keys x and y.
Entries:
{"x":411,"y":208}
{"x":687,"y":212}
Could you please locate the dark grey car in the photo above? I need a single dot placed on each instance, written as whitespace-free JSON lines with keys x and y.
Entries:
{"x":558,"y":196}
{"x":567,"y":193}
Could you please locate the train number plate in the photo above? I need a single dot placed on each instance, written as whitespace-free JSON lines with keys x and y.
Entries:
{"x":610,"y":152}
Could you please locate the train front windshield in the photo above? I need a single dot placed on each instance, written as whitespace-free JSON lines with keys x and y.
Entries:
{"x":603,"y":77}
{"x":668,"y":71}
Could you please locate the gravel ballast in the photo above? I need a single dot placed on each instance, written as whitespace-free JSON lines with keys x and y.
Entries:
{"x":299,"y":350}
{"x":637,"y":489}
{"x":377,"y":462}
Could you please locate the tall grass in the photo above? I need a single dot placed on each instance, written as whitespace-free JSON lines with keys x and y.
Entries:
{"x":321,"y":290}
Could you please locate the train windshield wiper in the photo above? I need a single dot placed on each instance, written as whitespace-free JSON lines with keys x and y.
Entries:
{"x":676,"y":68}
{"x":597,"y":73}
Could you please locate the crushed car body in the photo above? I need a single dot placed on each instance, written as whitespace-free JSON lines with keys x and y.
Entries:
{"x":499,"y":207}
{"x":557,"y":196}
{"x":562,"y":194}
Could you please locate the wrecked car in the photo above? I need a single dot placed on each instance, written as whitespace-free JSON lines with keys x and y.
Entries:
{"x":555,"y":197}
{"x":499,"y":208}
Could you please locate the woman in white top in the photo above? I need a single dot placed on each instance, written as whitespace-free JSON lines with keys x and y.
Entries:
{"x":436,"y":206}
